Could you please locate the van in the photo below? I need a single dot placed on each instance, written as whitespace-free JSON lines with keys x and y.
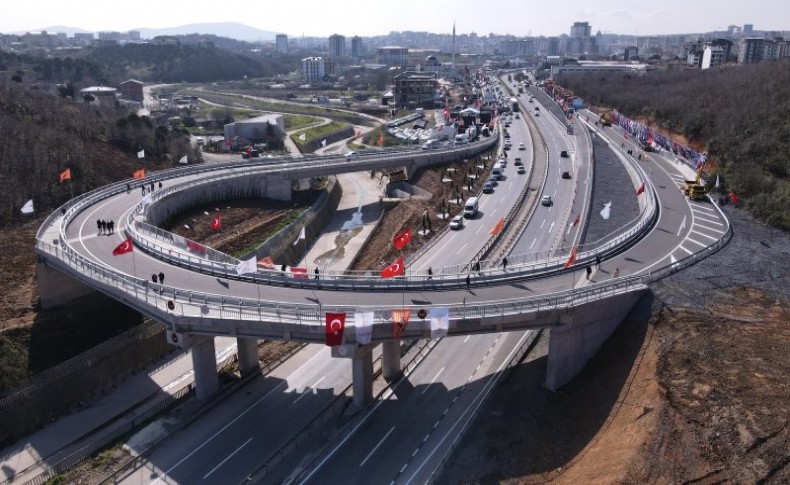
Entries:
{"x":497,"y":171}
{"x":470,"y":207}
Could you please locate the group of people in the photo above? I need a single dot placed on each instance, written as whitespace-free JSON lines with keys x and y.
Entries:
{"x":142,"y":187}
{"x":105,"y":227}
{"x":160,"y":278}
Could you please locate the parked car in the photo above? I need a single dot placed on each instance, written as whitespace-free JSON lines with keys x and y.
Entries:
{"x":546,"y":200}
{"x":457,"y":222}
{"x":488,"y":188}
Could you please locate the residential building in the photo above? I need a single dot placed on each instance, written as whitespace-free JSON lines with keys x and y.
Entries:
{"x":83,"y":38}
{"x":281,"y":45}
{"x":313,"y":69}
{"x":393,"y":55}
{"x":337,"y":45}
{"x":748,"y":29}
{"x":132,"y":90}
{"x":581,"y":29}
{"x":631,"y":53}
{"x":712,"y":56}
{"x":751,"y":50}
{"x":258,"y":129}
{"x":356,"y":46}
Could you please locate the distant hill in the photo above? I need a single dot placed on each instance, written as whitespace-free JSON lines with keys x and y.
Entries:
{"x":234,"y":30}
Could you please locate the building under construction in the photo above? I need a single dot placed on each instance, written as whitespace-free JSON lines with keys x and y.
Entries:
{"x":416,"y":90}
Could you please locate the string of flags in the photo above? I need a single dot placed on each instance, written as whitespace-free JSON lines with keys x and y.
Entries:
{"x":335,"y":324}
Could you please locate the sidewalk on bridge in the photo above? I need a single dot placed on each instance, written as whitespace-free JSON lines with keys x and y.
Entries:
{"x":34,"y":454}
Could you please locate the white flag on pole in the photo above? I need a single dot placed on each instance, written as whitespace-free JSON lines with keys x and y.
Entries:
{"x":717,"y":181}
{"x":323,"y":142}
{"x":183,"y":160}
{"x":440,"y":322}
{"x":303,"y":137}
{"x":607,"y":210}
{"x":301,"y":236}
{"x":363,"y":324}
{"x":247,"y":266}
{"x":28,"y":207}
{"x":682,"y":225}
{"x":141,"y":154}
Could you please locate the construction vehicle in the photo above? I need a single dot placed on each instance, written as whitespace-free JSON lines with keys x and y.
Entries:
{"x":693,"y":189}
{"x":607,"y":118}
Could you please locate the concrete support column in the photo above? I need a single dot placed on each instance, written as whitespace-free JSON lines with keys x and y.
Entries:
{"x":390,"y":359}
{"x":204,"y":362}
{"x":248,"y":356}
{"x":362,"y":376}
{"x":55,"y":288}
{"x":277,"y":188}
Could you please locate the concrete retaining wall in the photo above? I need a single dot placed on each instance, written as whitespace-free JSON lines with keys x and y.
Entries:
{"x":581,"y":333}
{"x":55,"y":288}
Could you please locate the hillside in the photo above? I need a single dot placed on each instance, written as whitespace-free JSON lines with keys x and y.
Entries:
{"x":737,"y":114}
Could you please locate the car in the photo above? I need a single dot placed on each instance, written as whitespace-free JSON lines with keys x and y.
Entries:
{"x":507,"y":124}
{"x":517,"y":116}
{"x":522,"y":170}
{"x":507,"y":147}
{"x":352,"y":155}
{"x":566,"y":175}
{"x":492,"y":179}
{"x":537,"y":108}
{"x":521,"y":146}
{"x":546,"y":200}
{"x":488,"y":188}
{"x":537,"y":114}
{"x":564,"y":154}
{"x":457,"y":222}
{"x":518,"y":162}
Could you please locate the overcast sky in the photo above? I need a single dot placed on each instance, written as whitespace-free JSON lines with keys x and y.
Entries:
{"x":367,"y":18}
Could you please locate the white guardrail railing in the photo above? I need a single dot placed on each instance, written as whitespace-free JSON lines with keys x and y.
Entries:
{"x":166,"y":301}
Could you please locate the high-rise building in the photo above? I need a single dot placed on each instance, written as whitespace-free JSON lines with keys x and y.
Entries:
{"x":313,"y":69}
{"x":748,"y":29}
{"x":751,"y":50}
{"x":631,"y":53}
{"x":281,"y":43}
{"x":393,"y":56}
{"x":356,"y":46}
{"x":337,"y":45}
{"x":712,"y":56}
{"x":581,"y":29}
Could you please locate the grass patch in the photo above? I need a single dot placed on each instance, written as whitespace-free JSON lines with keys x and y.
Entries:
{"x":318,"y":133}
{"x":292,"y":215}
{"x":294,"y":122}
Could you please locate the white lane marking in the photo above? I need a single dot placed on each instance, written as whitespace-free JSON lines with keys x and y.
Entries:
{"x":543,"y":223}
{"x":712,"y":229}
{"x":467,"y":338}
{"x":478,"y":230}
{"x":698,"y":218}
{"x":238,"y":417}
{"x":701,"y":207}
{"x":226,"y":459}
{"x":705,"y":235}
{"x":697,"y":211}
{"x":432,"y":381}
{"x":696,"y":242}
{"x":462,"y":248}
{"x":305,"y":391}
{"x":684,"y":249}
{"x":551,"y":226}
{"x":533,"y":243}
{"x":555,"y":193}
{"x":376,"y":447}
{"x":672,"y":259}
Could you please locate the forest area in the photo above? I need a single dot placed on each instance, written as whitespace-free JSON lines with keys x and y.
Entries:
{"x":737,"y":114}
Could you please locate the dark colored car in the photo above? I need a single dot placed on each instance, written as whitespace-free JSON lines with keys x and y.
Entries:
{"x":564,"y":154}
{"x":566,"y":175}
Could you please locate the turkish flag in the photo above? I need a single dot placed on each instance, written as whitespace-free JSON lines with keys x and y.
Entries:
{"x":139,"y":174}
{"x":402,"y":239}
{"x":640,"y":189}
{"x":196,"y":248}
{"x":125,"y":247}
{"x":394,"y":269}
{"x":299,"y":273}
{"x":65,"y":175}
{"x":400,"y":318}
{"x":335,"y":322}
{"x":266,"y":262}
{"x":498,"y":228}
{"x":572,"y":260}
{"x":734,"y":197}
{"x":249,"y":149}
{"x":216,"y":224}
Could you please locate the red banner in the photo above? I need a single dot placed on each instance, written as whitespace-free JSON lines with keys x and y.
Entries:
{"x":299,"y":273}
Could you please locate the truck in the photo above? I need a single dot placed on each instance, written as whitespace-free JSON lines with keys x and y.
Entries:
{"x":693,"y":189}
{"x":606,"y":118}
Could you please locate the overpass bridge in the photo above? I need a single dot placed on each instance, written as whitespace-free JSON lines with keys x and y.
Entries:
{"x":205,"y":296}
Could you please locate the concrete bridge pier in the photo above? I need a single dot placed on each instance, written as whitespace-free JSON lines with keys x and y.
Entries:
{"x":248,"y":356}
{"x":204,"y":362}
{"x":390,"y":359}
{"x":56,"y":288}
{"x":361,"y":370}
{"x":580,"y":334}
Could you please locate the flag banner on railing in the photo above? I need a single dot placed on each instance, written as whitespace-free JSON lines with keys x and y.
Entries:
{"x":335,"y":323}
{"x":498,"y":228}
{"x":299,"y":273}
{"x":139,"y":174}
{"x":400,"y":318}
{"x":196,"y":247}
{"x":440,"y":322}
{"x":266,"y":262}
{"x":179,"y":241}
{"x":402,"y":239}
{"x":125,"y":247}
{"x":363,"y":324}
{"x":572,"y":259}
{"x":246,"y":266}
{"x":640,"y":190}
{"x":392,"y":270}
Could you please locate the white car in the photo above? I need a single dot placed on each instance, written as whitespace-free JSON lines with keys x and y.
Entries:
{"x":457,"y":222}
{"x":521,"y":146}
{"x":546,"y":200}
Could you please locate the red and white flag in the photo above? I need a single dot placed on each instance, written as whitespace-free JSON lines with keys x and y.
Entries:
{"x":65,"y":175}
{"x":139,"y":174}
{"x":641,"y":189}
{"x":572,"y":259}
{"x":734,"y":197}
{"x":125,"y":247}
{"x":196,"y":247}
{"x":216,"y":224}
{"x":402,"y":239}
{"x":335,"y":323}
{"x":299,"y":273}
{"x":400,"y":318}
{"x":394,"y":269}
